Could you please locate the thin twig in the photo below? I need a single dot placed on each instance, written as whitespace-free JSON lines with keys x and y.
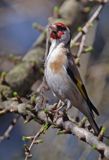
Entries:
{"x":81,"y":45}
{"x":87,"y":25}
{"x":6,"y":134}
{"x":3,"y":111}
{"x":80,"y":50}
{"x":33,"y":142}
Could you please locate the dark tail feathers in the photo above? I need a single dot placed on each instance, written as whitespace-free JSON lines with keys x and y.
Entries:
{"x":92,"y":107}
{"x":93,"y":124}
{"x":91,"y":117}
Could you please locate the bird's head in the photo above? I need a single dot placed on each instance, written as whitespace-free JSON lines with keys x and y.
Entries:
{"x":59,"y":32}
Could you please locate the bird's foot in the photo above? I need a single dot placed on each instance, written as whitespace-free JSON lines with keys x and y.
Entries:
{"x":64,"y":106}
{"x":61,"y":106}
{"x":67,"y":104}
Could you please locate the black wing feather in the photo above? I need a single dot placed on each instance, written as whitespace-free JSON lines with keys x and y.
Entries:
{"x":75,"y":76}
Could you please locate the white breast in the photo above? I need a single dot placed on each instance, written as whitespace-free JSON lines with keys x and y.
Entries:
{"x":57,"y":77}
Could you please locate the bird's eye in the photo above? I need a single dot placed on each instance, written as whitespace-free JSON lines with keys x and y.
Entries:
{"x":54,"y":32}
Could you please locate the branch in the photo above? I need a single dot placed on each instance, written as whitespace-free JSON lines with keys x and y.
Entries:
{"x":28,"y":149}
{"x":84,"y":30}
{"x":61,"y":121}
{"x":87,"y":137}
{"x":84,"y":135}
{"x":80,"y":50}
{"x":6,"y":134}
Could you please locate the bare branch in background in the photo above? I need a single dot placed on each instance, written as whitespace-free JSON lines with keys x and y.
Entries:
{"x":8,"y":131}
{"x":84,"y":30}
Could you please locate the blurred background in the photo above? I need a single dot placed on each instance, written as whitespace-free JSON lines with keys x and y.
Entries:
{"x":16,"y":18}
{"x":17,"y":37}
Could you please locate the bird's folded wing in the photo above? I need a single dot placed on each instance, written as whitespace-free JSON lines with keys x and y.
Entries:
{"x":74,"y":74}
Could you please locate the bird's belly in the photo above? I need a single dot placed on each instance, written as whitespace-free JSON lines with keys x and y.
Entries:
{"x":63,"y":86}
{"x":58,"y":83}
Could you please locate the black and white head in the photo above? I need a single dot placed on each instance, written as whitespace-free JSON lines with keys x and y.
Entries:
{"x":59,"y":32}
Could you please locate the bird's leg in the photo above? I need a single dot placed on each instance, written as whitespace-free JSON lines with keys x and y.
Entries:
{"x":77,"y":118}
{"x":55,"y":107}
{"x":64,"y":106}
{"x":68,"y":104}
{"x":82,"y":122}
{"x":60,"y":105}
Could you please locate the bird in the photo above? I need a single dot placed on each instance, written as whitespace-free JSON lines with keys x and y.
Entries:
{"x":62,"y":74}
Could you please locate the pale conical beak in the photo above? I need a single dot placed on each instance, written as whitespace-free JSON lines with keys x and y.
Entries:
{"x":53,"y":27}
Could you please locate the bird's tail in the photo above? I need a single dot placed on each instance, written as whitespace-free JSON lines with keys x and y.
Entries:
{"x":91,"y":117}
{"x":93,"y":124}
{"x":92,"y":107}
